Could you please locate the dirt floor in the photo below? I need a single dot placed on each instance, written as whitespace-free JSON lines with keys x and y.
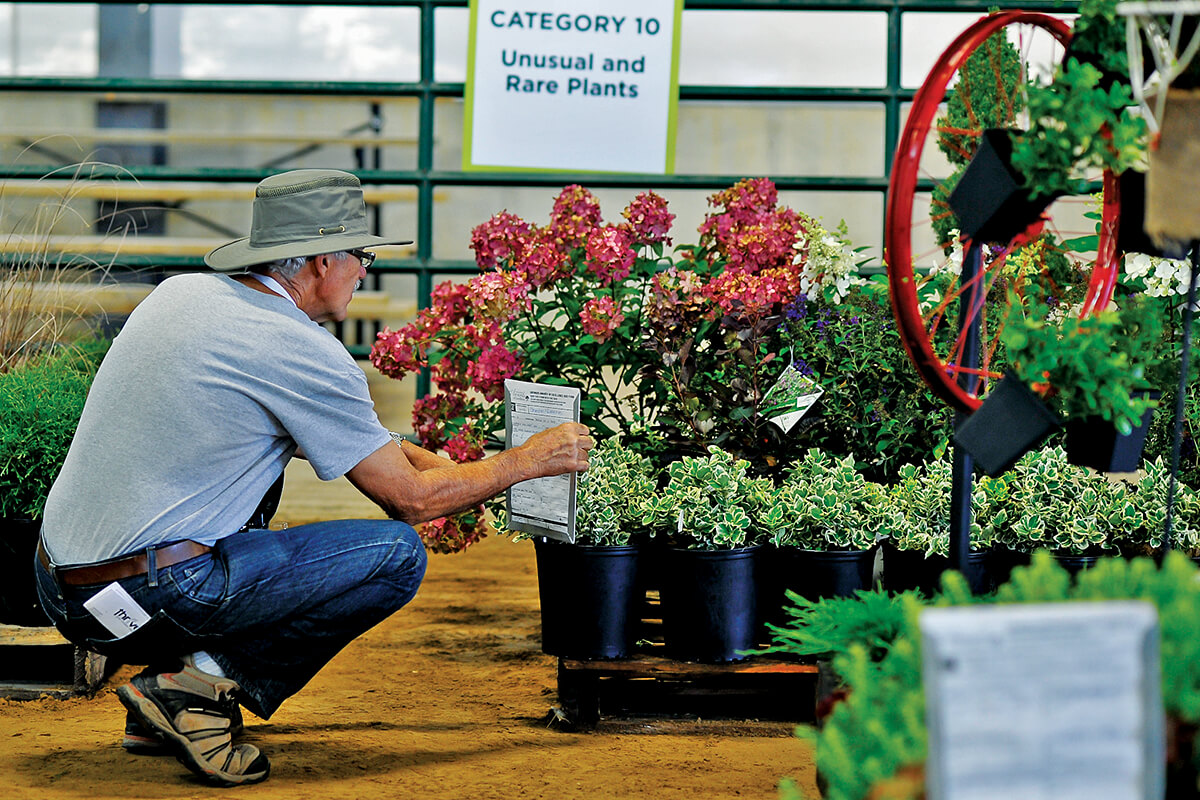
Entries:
{"x":447,"y":699}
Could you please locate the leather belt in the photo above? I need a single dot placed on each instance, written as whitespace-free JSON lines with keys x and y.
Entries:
{"x":124,"y":567}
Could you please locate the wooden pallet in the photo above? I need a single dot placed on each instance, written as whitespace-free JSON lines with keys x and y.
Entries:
{"x":760,"y":686}
{"x":35,"y":662}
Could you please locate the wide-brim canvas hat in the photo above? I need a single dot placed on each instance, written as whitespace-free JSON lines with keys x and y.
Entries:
{"x":305,"y":212}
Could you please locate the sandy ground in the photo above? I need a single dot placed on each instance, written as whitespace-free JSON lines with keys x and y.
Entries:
{"x":447,"y":699}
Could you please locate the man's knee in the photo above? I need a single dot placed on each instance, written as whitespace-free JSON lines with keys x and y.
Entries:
{"x":408,"y":560}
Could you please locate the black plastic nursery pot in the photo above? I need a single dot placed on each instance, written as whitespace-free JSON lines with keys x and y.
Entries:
{"x":818,"y":574}
{"x":990,"y":199}
{"x":1010,"y":422}
{"x":1095,"y":442}
{"x":709,"y":601}
{"x":1074,"y":564}
{"x":1004,"y":561}
{"x":19,"y":603}
{"x":913,"y":570}
{"x":589,"y":599}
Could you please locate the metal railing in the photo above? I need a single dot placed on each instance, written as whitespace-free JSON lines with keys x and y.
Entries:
{"x":425,"y":178}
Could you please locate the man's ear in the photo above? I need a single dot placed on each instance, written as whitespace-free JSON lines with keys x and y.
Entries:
{"x":321,"y":264}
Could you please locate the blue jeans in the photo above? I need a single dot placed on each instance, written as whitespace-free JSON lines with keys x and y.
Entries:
{"x":271,"y":607}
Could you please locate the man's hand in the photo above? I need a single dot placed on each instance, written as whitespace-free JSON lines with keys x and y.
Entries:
{"x":563,"y":448}
{"x":411,"y":484}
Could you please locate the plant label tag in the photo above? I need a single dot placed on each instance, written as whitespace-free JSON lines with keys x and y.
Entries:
{"x":790,"y":398}
{"x":116,"y":610}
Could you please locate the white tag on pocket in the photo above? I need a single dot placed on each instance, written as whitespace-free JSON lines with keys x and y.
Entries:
{"x":116,"y":610}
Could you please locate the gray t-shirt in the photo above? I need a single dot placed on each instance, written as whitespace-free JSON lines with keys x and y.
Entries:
{"x":203,"y":399}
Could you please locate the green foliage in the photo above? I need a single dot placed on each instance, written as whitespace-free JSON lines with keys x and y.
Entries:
{"x":986,"y":95}
{"x":921,"y":499}
{"x":708,"y":503}
{"x":876,"y":408}
{"x":826,"y":504}
{"x":611,"y":494}
{"x":1091,"y":367}
{"x":879,"y":732}
{"x":1141,"y":518}
{"x":40,"y":403}
{"x":830,"y":627}
{"x":1069,"y":509}
{"x":880,"y":728}
{"x":1082,"y":118}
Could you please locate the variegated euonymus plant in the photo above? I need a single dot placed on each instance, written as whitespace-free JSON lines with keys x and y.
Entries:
{"x":708,"y":503}
{"x":921,"y":500}
{"x":826,"y":504}
{"x":1143,"y":514}
{"x":611,"y":495}
{"x":1063,"y":507}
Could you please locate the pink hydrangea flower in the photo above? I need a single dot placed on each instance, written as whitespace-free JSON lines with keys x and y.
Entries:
{"x":499,"y":241}
{"x":750,"y":231}
{"x":430,"y":414}
{"x":494,"y":365}
{"x":600,"y":318}
{"x":544,"y":261}
{"x":397,"y":353}
{"x":464,"y":446}
{"x":753,"y":294}
{"x":499,"y":295}
{"x":649,"y":222}
{"x":575,"y":215}
{"x":676,"y":300}
{"x":609,"y":254}
{"x":448,"y":304}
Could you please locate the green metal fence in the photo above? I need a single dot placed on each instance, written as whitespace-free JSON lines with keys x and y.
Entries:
{"x":425,"y":178}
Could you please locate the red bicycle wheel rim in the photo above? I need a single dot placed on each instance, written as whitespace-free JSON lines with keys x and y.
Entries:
{"x":940,"y":377}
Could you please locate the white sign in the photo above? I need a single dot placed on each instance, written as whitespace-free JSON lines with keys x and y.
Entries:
{"x":587,"y":85}
{"x":1059,"y":701}
{"x":545,"y":506}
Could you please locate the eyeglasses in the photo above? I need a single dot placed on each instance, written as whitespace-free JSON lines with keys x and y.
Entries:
{"x":366,"y":258}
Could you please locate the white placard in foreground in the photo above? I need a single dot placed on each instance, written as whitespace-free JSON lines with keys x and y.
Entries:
{"x":543,"y":506}
{"x":589,"y":85}
{"x":1043,"y":702}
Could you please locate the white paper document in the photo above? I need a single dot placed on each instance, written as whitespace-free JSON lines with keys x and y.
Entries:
{"x":116,"y":610}
{"x":1059,"y":701}
{"x":543,"y":506}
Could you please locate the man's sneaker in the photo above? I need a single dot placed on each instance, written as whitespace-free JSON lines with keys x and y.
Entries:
{"x":189,"y":711}
{"x":142,"y":741}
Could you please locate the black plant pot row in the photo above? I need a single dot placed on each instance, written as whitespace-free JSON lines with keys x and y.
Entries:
{"x":712,"y":604}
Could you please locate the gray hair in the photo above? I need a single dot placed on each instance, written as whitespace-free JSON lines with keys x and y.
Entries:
{"x":289,"y":267}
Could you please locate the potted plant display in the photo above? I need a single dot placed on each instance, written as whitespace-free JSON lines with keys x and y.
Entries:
{"x":681,"y":341}
{"x":1089,"y":373}
{"x":710,"y":576}
{"x":1077,"y":514}
{"x":589,"y":590}
{"x":1142,"y":513}
{"x":824,"y":521}
{"x":1084,"y":117}
{"x":916,"y":552}
{"x":41,"y":399}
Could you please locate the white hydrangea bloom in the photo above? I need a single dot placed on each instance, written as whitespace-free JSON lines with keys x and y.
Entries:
{"x":1163,"y":276}
{"x":951,"y":263}
{"x":830,"y":262}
